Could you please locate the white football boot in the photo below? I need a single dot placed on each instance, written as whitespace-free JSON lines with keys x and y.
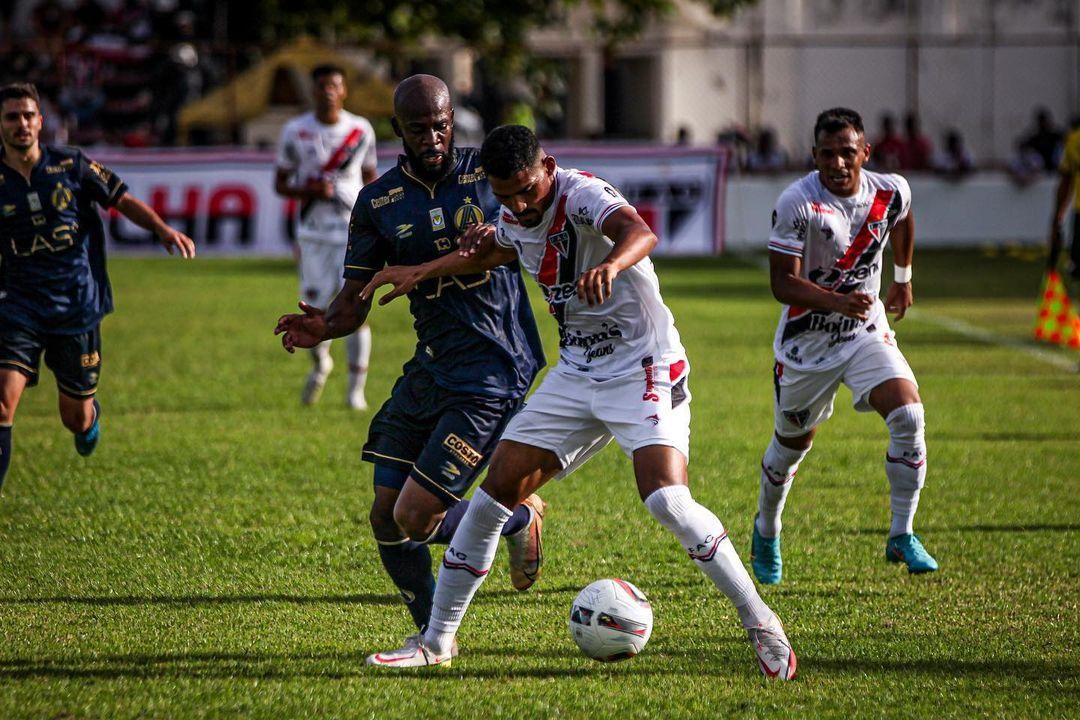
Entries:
{"x":413,"y":654}
{"x":775,"y":656}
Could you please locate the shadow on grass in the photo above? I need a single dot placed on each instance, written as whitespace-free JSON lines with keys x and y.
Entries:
{"x":366,"y":599}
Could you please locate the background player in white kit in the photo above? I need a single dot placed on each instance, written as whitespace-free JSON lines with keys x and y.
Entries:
{"x":622,"y":374}
{"x":323,"y":160}
{"x":825,"y":256}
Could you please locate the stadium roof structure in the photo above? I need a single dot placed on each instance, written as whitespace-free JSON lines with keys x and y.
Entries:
{"x":249,"y":95}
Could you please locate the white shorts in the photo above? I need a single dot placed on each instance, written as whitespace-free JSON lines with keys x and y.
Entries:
{"x":321,"y":268}
{"x":803,"y":399}
{"x":575,"y":416}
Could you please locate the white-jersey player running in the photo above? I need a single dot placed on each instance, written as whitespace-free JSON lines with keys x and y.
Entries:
{"x":622,"y":374}
{"x":323,"y":160}
{"x":825,"y":257}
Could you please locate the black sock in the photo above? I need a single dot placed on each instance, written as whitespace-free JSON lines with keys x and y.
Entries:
{"x":409,"y":566}
{"x":453,"y":516}
{"x":5,"y":451}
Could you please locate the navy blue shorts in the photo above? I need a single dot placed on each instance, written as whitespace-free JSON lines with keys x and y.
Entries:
{"x":75,"y":360}
{"x":441,"y":438}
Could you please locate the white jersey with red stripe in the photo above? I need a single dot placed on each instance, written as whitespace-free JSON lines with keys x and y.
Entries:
{"x":631,"y":329}
{"x":311,"y":150}
{"x":840,"y":242}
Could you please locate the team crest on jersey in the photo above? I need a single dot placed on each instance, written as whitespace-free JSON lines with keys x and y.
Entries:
{"x":877,"y":228}
{"x":561,"y":242}
{"x":797,"y":418}
{"x":468,"y":214}
{"x":34,"y":201}
{"x":61,"y":197}
{"x":438,"y":220}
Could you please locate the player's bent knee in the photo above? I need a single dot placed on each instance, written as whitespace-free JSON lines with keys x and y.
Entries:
{"x":416,"y":523}
{"x":907,"y":423}
{"x":383,"y":526}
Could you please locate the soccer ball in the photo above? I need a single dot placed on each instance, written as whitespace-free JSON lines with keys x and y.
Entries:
{"x":611,"y":620}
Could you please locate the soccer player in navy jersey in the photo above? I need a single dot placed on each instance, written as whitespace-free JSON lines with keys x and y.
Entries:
{"x":54,"y":290}
{"x":477,"y":350}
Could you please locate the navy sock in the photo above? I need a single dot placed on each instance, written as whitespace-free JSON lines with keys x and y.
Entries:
{"x":5,"y":451}
{"x":409,"y":566}
{"x":453,"y":516}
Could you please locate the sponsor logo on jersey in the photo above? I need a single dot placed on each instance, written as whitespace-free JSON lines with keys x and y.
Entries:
{"x":393,"y":196}
{"x":37,"y":220}
{"x":468,"y":214}
{"x":438,"y":221}
{"x":442,"y":244}
{"x":35,"y":202}
{"x":583,"y":216}
{"x":450,"y":471}
{"x":462,"y":450}
{"x":654,"y":419}
{"x":821,"y":208}
{"x":90,"y":360}
{"x":476,"y":176}
{"x":404,"y":230}
{"x":9,"y":210}
{"x":101,"y":171}
{"x":54,"y":169}
{"x":650,"y":394}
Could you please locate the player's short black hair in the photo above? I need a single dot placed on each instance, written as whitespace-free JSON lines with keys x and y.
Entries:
{"x":836,"y":119}
{"x":19,"y":90}
{"x":326,"y":69}
{"x":509,"y":149}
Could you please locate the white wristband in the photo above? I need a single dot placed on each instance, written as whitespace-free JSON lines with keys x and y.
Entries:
{"x":902,"y":274}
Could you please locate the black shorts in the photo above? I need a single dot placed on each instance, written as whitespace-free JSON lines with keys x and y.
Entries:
{"x":443,"y":439}
{"x":75,"y":360}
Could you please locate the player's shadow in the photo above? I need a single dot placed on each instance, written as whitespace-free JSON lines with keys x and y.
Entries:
{"x":196,"y":600}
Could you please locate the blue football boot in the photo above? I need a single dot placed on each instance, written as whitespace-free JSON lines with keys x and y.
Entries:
{"x":86,"y":441}
{"x":765,"y":558}
{"x":909,"y":550}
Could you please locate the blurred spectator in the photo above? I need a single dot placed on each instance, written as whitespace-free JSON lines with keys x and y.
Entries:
{"x":887,"y":151}
{"x":684,"y":136}
{"x":1046,"y":139}
{"x":1026,"y":165}
{"x":954,"y":161}
{"x":767,"y":156}
{"x":736,"y":140}
{"x":917,"y":150}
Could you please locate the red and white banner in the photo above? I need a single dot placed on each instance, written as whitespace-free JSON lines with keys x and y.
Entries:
{"x":225,"y":200}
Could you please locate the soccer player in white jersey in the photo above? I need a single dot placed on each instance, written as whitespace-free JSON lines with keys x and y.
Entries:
{"x":622,"y":374}
{"x":323,"y":160}
{"x":825,"y":257}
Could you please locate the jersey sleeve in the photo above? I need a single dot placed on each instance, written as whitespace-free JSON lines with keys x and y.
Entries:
{"x":370,"y":160}
{"x":790,"y":223}
{"x":904,"y":188}
{"x":101,"y":184}
{"x":287,"y":157}
{"x":366,"y":252}
{"x":596,"y":199}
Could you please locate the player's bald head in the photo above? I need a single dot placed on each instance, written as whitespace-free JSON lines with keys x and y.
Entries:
{"x":420,"y":95}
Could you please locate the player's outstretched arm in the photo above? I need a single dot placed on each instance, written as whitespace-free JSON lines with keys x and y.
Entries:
{"x":483,"y":255}
{"x":791,"y":289}
{"x":312,"y":325}
{"x":900,"y":297}
{"x":633,"y":240}
{"x":144,"y":216}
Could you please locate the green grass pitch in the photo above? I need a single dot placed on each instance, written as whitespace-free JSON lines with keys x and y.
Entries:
{"x":213,"y":557}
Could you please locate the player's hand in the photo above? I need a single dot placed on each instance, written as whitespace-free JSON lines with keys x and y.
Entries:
{"x":404,"y":278}
{"x":473,"y":239}
{"x":303,"y":330}
{"x":174,"y":240}
{"x":320,"y":188}
{"x":899,"y":299}
{"x":853,"y":305}
{"x":594,"y":285}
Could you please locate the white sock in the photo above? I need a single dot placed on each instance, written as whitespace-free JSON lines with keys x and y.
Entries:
{"x":464,"y":567}
{"x":320,"y":359}
{"x":358,"y":347}
{"x":707,"y":543}
{"x":905,"y":464}
{"x":778,"y":468}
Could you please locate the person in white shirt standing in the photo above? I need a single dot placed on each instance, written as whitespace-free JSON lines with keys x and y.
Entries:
{"x":825,"y":255}
{"x":622,"y":374}
{"x":323,"y":160}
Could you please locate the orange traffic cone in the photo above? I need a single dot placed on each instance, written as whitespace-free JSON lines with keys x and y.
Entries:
{"x":1057,"y":322}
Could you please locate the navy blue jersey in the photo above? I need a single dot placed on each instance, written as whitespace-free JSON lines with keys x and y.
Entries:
{"x":52,"y":243}
{"x":475,"y":333}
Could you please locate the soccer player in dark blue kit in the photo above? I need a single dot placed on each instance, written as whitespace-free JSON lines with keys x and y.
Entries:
{"x":54,"y":290}
{"x":477,"y":350}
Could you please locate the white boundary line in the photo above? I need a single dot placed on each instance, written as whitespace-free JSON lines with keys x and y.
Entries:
{"x":962,"y":328}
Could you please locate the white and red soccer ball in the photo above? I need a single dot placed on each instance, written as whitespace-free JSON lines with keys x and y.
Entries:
{"x":611,"y":620}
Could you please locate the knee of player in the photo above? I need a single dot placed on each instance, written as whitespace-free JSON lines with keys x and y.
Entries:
{"x":383,"y":525}
{"x":907,"y":422}
{"x":415,"y":523}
